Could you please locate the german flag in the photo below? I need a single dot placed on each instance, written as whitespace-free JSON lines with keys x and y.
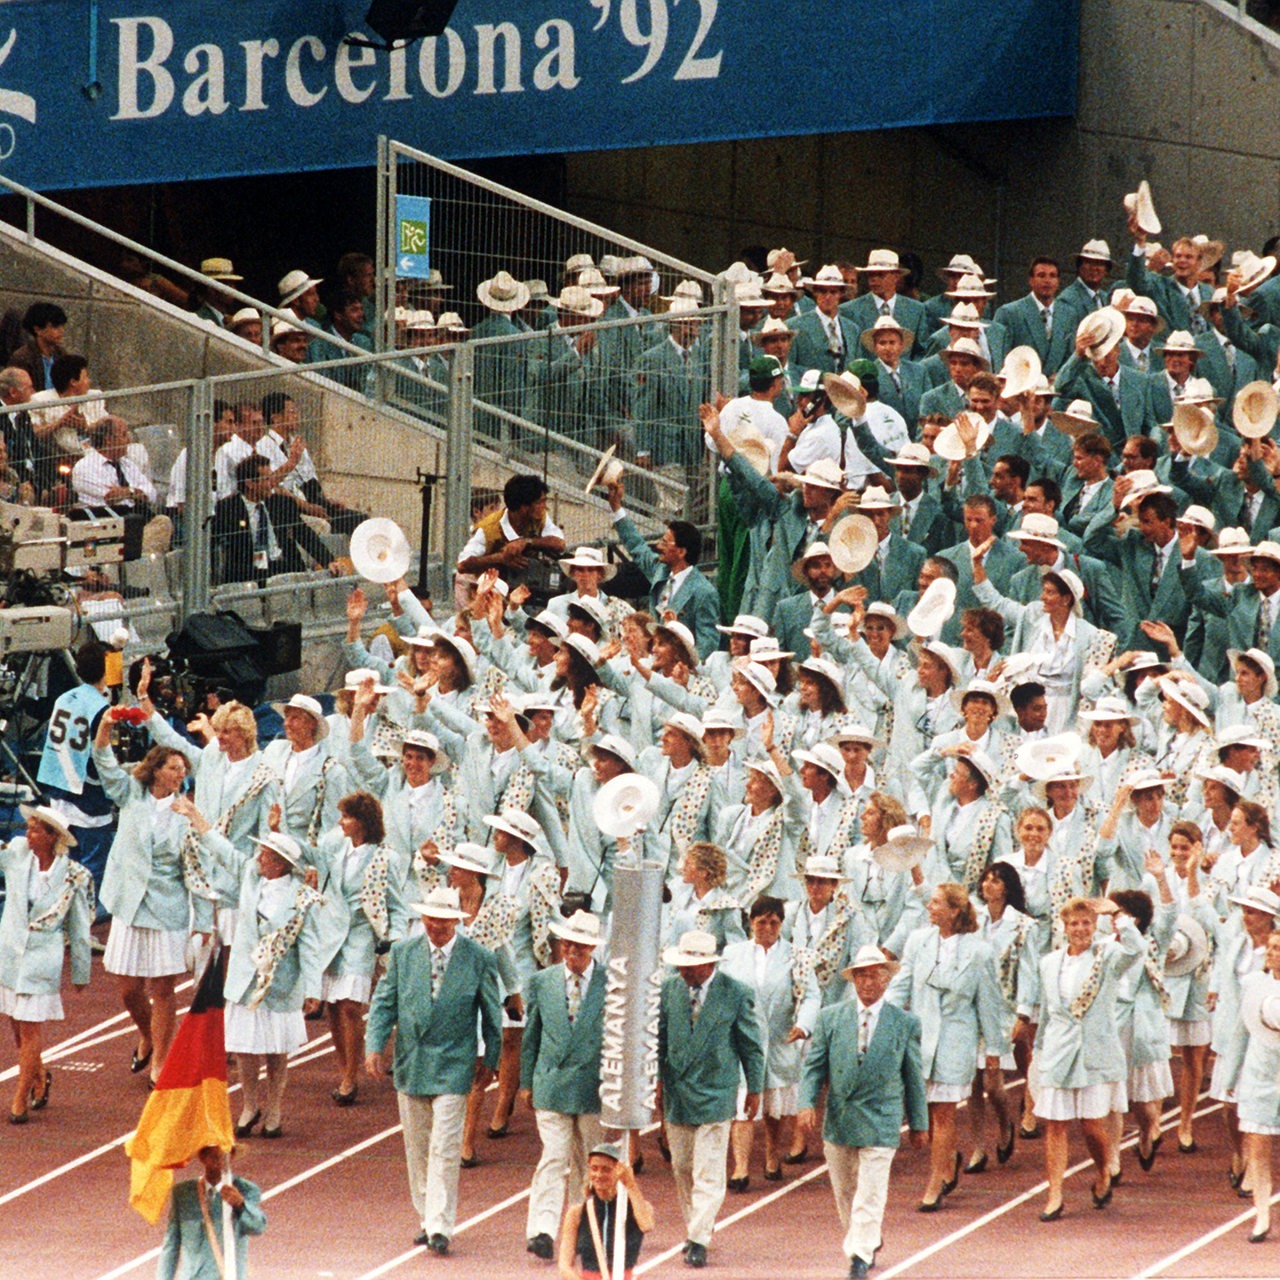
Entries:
{"x":189,"y":1108}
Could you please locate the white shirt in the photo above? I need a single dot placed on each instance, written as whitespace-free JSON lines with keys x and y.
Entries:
{"x":274,"y":894}
{"x":763,"y":416}
{"x":91,"y":411}
{"x":868,"y":1017}
{"x":476,"y":544}
{"x":272,"y":447}
{"x":295,"y":762}
{"x":94,"y":475}
{"x":234,"y":451}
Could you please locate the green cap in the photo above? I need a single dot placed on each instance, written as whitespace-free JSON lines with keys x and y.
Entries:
{"x":762,"y":370}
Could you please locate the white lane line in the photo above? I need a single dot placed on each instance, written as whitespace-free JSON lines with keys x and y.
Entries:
{"x":307,"y":1055}
{"x":978,"y":1223}
{"x":1199,"y":1243}
{"x":81,"y":1039}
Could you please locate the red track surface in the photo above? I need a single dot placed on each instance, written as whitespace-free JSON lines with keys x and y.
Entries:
{"x":338,"y":1204}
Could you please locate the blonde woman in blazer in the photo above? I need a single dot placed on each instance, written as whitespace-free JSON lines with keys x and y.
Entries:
{"x":48,"y":909}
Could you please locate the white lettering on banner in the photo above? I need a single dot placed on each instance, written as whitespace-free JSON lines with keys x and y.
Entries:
{"x":350,"y":58}
{"x":614,"y":1043}
{"x":13,"y":103}
{"x":492,"y":56}
{"x":255,"y":53}
{"x":131,"y":67}
{"x":207,"y":92}
{"x":293,"y":81}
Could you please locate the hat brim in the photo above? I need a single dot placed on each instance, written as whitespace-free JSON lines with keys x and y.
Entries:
{"x":571,"y":935}
{"x":1251,"y":1012}
{"x":322,"y":725}
{"x":678,"y":959}
{"x":433,"y":912}
{"x":1071,"y":425}
{"x":504,"y":305}
{"x":64,"y":832}
{"x":607,"y":569}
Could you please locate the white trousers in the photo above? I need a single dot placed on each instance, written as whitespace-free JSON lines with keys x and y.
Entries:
{"x":860,"y":1184}
{"x":698,"y":1154}
{"x":566,"y":1141}
{"x":432,"y":1152}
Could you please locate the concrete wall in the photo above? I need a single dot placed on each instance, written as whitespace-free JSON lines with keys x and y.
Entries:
{"x":1177,"y":91}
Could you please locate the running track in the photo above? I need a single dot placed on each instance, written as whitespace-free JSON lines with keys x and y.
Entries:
{"x":338,"y":1205}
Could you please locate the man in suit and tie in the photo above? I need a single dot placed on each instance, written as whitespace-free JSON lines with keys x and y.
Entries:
{"x":560,"y":1071}
{"x":882,"y":275}
{"x":866,"y":1053}
{"x":1178,"y":300}
{"x":963,"y":321}
{"x":1047,"y":553}
{"x":1120,"y":396}
{"x":900,"y":381}
{"x":1251,"y":609}
{"x":1224,"y":364}
{"x":792,"y":615}
{"x":1179,"y":355}
{"x":708,"y":1039}
{"x":257,"y":532}
{"x":438,"y":989}
{"x":964,"y":361}
{"x":1089,"y":290}
{"x":671,"y":382}
{"x":1257,"y":511}
{"x":1002,"y":561}
{"x":920,"y":518}
{"x":1141,"y":324}
{"x":825,"y":339}
{"x":1147,"y":557}
{"x":676,"y":585}
{"x":897,"y":561}
{"x":1038,"y":320}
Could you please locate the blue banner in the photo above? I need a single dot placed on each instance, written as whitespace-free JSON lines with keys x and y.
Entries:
{"x":188,"y":89}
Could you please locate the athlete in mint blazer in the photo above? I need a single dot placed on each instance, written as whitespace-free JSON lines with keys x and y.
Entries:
{"x":436,"y":1042}
{"x":559,"y":1060}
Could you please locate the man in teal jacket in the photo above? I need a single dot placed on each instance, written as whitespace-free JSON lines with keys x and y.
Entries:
{"x":435,"y":991}
{"x":560,"y":1071}
{"x":867,"y":1053}
{"x":708,"y":1039}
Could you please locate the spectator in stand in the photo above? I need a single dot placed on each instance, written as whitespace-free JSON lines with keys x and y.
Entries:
{"x":59,"y":429}
{"x":108,"y":476}
{"x":214,"y":304}
{"x":15,"y":423}
{"x":46,"y":322}
{"x":302,"y":483}
{"x":356,"y":275}
{"x":300,"y":293}
{"x":346,"y":318}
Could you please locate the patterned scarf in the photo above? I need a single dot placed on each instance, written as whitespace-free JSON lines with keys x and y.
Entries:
{"x":1153,"y":963}
{"x":803,"y":962}
{"x":1007,"y":960}
{"x":272,"y":947}
{"x":682,"y":821}
{"x":544,"y":907}
{"x":1098,"y":652}
{"x":846,"y":824}
{"x":1092,"y":983}
{"x":431,"y":876}
{"x":979,"y":853}
{"x":518,"y":793}
{"x":373,"y":891}
{"x":77,"y":880}
{"x":714,"y":900}
{"x":1072,"y":874}
{"x":495,"y":922}
{"x":829,"y":949}
{"x":763,"y":863}
{"x":193,"y":873}
{"x":317,"y":811}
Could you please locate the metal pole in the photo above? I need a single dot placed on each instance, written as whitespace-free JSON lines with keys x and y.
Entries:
{"x":427,"y":481}
{"x":197,"y":559}
{"x":619,"y":1264}
{"x":458,"y":460}
{"x":384,"y":290}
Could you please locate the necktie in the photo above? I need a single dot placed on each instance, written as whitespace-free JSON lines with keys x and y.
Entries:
{"x":573,"y":995}
{"x":897,"y":380}
{"x":835,"y":339}
{"x":261,"y":542}
{"x":884,"y":308}
{"x":1143,"y":360}
{"x":117,"y":465}
{"x":1230,"y":352}
{"x":1046,"y":315}
{"x":864,"y":1027}
{"x":437,"y":971}
{"x":1157,"y":565}
{"x":906,"y":520}
{"x":1264,"y":624}
{"x":695,"y":1004}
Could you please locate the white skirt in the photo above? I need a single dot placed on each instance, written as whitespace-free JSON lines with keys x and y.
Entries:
{"x":775,"y":1104}
{"x":227,"y":917}
{"x":145,"y":953}
{"x":1187,"y":1032}
{"x":350,"y":986}
{"x":1152,"y":1083}
{"x":936,"y":1091}
{"x":1090,"y":1102}
{"x":263,"y":1030}
{"x":1269,"y":1130}
{"x":33,"y":1008}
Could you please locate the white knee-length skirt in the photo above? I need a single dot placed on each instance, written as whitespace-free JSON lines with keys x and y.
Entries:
{"x":30,"y":1008}
{"x":133,"y":952}
{"x":263,"y":1030}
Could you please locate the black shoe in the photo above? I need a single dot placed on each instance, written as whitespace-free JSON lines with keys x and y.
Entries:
{"x":739,"y":1185}
{"x":346,"y":1099}
{"x":21,"y":1118}
{"x":1051,"y":1215}
{"x":1005,"y":1150}
{"x":495,"y":1134}
{"x":1187,"y":1148}
{"x":664,"y":1149}
{"x":421,"y":1239}
{"x":277,"y":1132}
{"x":541,"y":1246}
{"x":244,"y":1130}
{"x":1101,"y":1201}
{"x":438,"y":1244}
{"x":858,"y":1269}
{"x":952,"y":1182}
{"x":138,"y":1065}
{"x":798,"y":1157}
{"x":979,"y":1164}
{"x":469,"y":1162}
{"x":773,"y":1175}
{"x":695,"y":1255}
{"x":41,"y":1100}
{"x":1150,"y":1158}
{"x":1257,"y":1237}
{"x":929,"y":1206}
{"x":1029,"y":1135}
